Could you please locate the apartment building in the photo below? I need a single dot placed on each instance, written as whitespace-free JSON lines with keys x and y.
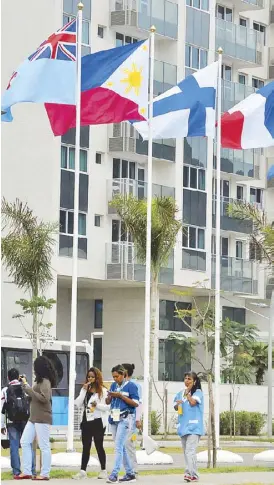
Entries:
{"x":39,"y":169}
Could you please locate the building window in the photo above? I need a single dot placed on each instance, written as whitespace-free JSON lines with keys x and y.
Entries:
{"x":200,"y":4}
{"x":170,"y":365}
{"x":122,"y":39}
{"x":226,"y":72}
{"x":194,"y":178}
{"x":119,"y":232}
{"x":255,"y":251}
{"x":68,"y":158}
{"x":224,"y":13}
{"x":243,"y":22}
{"x":260,"y":28}
{"x":165,"y":77}
{"x":98,"y":158}
{"x":239,"y":249}
{"x":195,"y":58}
{"x":234,"y":314}
{"x":242,"y":78}
{"x":255,"y":195}
{"x":98,"y":313}
{"x":240,"y":192}
{"x":66,"y":222}
{"x":100,"y":31}
{"x":257,"y":83}
{"x":123,"y":169}
{"x":168,"y":319}
{"x":85,"y":28}
{"x":193,"y":237}
{"x":97,"y":220}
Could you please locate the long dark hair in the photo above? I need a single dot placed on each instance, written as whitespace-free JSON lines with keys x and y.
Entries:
{"x":98,"y":380}
{"x":44,"y":369}
{"x":196,"y":379}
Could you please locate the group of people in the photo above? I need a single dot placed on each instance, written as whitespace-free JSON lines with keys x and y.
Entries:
{"x":120,"y":406}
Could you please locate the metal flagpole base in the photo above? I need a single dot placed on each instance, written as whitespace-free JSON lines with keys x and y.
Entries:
{"x":223,"y":456}
{"x":155,"y":458}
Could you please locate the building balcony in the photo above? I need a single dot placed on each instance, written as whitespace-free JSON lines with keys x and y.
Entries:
{"x":244,"y":45}
{"x":136,"y":188}
{"x":248,"y":5}
{"x":122,"y":264}
{"x":237,"y":275}
{"x":244,"y":164}
{"x":133,"y":17}
{"x":124,"y":138}
{"x":271,"y":61}
{"x":229,"y":223}
{"x":233,"y":93}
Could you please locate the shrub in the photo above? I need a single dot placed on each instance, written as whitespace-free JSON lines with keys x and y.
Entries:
{"x":246,"y":423}
{"x":155,"y":422}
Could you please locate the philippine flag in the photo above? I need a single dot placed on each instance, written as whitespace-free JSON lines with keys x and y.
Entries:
{"x":250,"y":124}
{"x":114,"y":88}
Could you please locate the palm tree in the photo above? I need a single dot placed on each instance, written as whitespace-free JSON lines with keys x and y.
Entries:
{"x":262,"y":235}
{"x":258,"y":361}
{"x":27,"y":249}
{"x":164,"y":230}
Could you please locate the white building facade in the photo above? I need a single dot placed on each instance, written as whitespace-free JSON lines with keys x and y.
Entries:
{"x":39,"y":169}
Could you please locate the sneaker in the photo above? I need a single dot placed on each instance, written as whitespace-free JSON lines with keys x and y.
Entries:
{"x":80,"y":476}
{"x":103,"y":474}
{"x":195,"y":478}
{"x":127,"y":478}
{"x":187,"y":477}
{"x":112,"y":479}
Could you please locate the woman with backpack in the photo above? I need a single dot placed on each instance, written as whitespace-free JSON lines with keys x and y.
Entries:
{"x":40,"y":418}
{"x":93,"y":426}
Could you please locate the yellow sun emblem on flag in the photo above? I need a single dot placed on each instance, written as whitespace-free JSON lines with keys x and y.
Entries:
{"x":133,"y":80}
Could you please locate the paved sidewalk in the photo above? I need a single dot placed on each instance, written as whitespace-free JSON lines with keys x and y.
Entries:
{"x":264,"y":478}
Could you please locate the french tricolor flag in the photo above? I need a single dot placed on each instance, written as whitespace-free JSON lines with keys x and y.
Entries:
{"x":250,"y":124}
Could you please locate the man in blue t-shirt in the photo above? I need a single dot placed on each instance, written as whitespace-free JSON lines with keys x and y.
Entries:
{"x":131,"y":442}
{"x":123,"y":399}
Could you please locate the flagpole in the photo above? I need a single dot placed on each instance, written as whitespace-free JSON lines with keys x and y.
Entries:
{"x":218,"y":255}
{"x":148,"y":243}
{"x":72,"y":366}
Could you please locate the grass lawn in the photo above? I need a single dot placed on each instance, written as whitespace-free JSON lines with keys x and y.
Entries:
{"x":178,"y":471}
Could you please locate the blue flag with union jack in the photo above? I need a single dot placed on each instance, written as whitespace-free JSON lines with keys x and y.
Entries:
{"x":46,"y":76}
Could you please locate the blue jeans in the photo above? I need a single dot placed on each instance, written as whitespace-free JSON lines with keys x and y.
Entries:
{"x":15,"y":433}
{"x":121,"y":432}
{"x":42,"y":431}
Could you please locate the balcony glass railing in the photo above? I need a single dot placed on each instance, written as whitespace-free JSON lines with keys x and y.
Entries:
{"x":240,"y":162}
{"x":229,"y":223}
{"x":122,"y":263}
{"x":237,"y":275}
{"x":137,"y":188}
{"x":239,"y":42}
{"x":233,"y":93}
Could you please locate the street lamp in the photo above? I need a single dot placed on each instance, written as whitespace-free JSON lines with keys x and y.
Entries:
{"x":92,"y":335}
{"x":269,"y":365}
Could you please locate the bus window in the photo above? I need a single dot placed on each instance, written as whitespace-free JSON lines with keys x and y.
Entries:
{"x":81,"y":368}
{"x":60,"y":363}
{"x":21,"y":360}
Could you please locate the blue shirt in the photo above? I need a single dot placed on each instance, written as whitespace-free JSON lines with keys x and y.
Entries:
{"x":128,"y":389}
{"x":192,"y":419}
{"x":139,"y":389}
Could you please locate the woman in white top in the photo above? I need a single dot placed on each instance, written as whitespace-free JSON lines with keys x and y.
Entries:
{"x":95,"y":416}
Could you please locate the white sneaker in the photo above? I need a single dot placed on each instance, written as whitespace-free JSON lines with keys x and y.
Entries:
{"x":80,"y":476}
{"x":103,"y":474}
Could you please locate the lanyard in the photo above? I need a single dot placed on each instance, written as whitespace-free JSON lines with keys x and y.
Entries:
{"x":118,"y":389}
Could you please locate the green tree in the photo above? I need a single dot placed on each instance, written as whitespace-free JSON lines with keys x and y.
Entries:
{"x":164,"y":230}
{"x":259,"y":362}
{"x":234,"y":336}
{"x":27,"y":249}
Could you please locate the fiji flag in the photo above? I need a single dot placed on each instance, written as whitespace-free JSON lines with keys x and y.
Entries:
{"x":187,"y":109}
{"x":48,"y":75}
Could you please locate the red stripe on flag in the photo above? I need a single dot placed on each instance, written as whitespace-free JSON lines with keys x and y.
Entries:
{"x":231,"y":130}
{"x":98,"y":106}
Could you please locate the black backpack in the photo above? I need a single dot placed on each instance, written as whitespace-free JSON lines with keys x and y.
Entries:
{"x":17,"y":404}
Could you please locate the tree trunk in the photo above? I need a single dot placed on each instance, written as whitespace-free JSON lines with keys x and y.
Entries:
{"x":35,"y":347}
{"x":153,"y":314}
{"x":209,"y":434}
{"x":165,"y":413}
{"x":212,"y":418}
